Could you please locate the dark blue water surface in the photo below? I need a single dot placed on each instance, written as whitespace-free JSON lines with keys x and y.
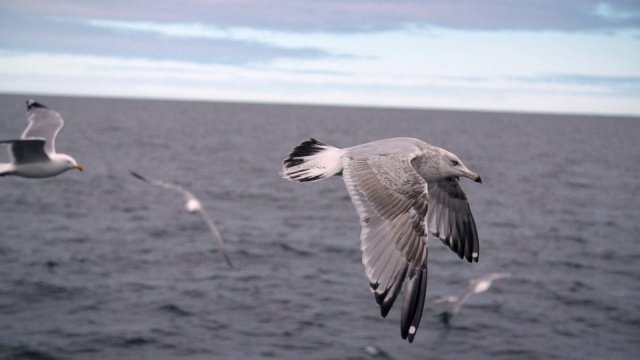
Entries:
{"x":98,"y":265}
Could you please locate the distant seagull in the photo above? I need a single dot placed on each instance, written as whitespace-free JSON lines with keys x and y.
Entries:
{"x":400,"y":187}
{"x":193,"y":205}
{"x":34,"y":154}
{"x":476,"y":286}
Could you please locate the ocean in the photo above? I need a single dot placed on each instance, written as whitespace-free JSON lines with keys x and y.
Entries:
{"x":98,"y":265}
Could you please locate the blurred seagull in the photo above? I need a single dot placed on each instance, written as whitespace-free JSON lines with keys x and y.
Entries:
{"x":193,"y":205}
{"x":34,"y":154}
{"x":400,"y":187}
{"x":476,"y":286}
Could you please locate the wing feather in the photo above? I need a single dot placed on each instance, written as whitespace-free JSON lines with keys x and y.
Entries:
{"x":392,"y":203}
{"x":43,"y":123}
{"x":27,"y":150}
{"x":165,"y":185}
{"x":450,"y":218}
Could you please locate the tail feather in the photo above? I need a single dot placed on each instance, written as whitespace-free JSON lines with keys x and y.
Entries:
{"x":312,"y":160}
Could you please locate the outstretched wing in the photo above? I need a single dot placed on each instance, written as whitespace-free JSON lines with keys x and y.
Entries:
{"x":165,"y":185}
{"x":461,"y":300}
{"x":216,"y":235}
{"x":391,"y":200}
{"x":43,"y":123}
{"x":26,"y":150}
{"x":196,"y":207}
{"x":450,"y":219}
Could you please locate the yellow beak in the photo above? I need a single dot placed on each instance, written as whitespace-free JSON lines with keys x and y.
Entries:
{"x":79,"y":167}
{"x":473,"y":176}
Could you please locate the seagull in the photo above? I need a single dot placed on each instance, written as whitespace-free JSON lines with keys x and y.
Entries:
{"x":34,"y":154}
{"x":476,"y":286}
{"x":400,"y":188}
{"x":193,"y":206}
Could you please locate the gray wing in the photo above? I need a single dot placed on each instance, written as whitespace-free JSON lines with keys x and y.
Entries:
{"x":216,"y":235}
{"x":43,"y":123}
{"x":188,"y":195}
{"x":26,"y":150}
{"x":165,"y":185}
{"x":461,"y":300}
{"x":450,"y":219}
{"x":391,"y":201}
{"x":476,"y":286}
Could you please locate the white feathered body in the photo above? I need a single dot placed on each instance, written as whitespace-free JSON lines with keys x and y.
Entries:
{"x":58,"y":164}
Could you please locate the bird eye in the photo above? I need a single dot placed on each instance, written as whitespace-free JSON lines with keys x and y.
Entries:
{"x":454,"y":162}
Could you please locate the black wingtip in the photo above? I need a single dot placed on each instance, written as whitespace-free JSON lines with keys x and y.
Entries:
{"x":386,"y":299}
{"x":32,"y":104}
{"x":226,"y":257}
{"x":138,"y":176}
{"x":414,"y":295}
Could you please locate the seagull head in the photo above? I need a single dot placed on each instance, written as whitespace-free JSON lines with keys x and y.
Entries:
{"x":67,"y":162}
{"x":72,"y":164}
{"x":451,"y":166}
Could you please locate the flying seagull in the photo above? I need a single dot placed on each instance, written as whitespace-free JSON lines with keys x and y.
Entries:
{"x":193,"y":206}
{"x":476,"y":286}
{"x":400,"y":187}
{"x":34,"y":154}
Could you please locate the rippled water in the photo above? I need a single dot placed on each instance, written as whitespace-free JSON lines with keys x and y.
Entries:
{"x":99,"y":265}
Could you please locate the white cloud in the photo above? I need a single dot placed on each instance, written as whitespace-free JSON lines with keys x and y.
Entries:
{"x":102,"y":76}
{"x":615,"y":13}
{"x":413,"y":66}
{"x":352,"y":16}
{"x":194,"y":29}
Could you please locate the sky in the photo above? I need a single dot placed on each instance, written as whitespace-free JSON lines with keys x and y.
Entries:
{"x":549,"y":56}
